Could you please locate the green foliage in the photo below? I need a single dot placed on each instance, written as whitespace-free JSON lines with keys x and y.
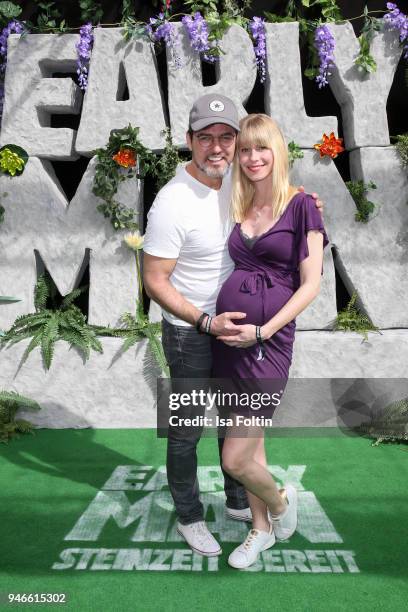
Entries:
{"x":204,"y":7}
{"x":13,"y":159}
{"x":233,"y":10}
{"x":133,"y":29}
{"x":294,"y":152}
{"x":10,"y":402}
{"x":364,"y":58}
{"x":128,"y":10}
{"x":219,"y":19}
{"x":358,"y":191}
{"x":350,"y":319}
{"x":6,"y":299}
{"x":402,"y":148}
{"x":108,"y":175}
{"x":307,"y":31}
{"x":90,"y":11}
{"x":46,"y":326}
{"x":134,"y":329}
{"x":167,"y":163}
{"x":273,"y":18}
{"x":47,"y":20}
{"x":328,"y":9}
{"x":8,"y":11}
{"x":218,"y":24}
{"x":389,"y":424}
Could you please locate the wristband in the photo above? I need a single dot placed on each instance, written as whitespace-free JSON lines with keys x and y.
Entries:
{"x":208,"y":325}
{"x":199,"y":322}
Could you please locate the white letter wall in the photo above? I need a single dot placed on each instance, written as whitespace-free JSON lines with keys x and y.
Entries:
{"x":38,"y":217}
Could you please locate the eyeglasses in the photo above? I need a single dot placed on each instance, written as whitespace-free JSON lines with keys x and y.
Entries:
{"x":207,"y":140}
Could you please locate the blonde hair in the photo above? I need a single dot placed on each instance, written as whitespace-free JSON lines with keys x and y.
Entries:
{"x":262,"y":131}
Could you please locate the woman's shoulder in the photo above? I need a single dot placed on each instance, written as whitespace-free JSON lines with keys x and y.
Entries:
{"x":302,"y":204}
{"x":301,"y":198}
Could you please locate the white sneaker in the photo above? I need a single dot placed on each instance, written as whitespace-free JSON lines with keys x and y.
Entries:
{"x":285,"y":525}
{"x":200,"y":539}
{"x":239,"y":515}
{"x":247,"y":553}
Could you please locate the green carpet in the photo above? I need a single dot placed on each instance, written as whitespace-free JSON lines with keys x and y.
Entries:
{"x":63,"y":489}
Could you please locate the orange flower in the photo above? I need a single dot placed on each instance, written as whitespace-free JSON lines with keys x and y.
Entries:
{"x":125,"y":158}
{"x":330,"y":146}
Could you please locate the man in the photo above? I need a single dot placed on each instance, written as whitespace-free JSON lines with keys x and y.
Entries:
{"x":186,"y":262}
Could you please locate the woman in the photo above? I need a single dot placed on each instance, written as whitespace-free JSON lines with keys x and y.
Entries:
{"x":277,"y":246}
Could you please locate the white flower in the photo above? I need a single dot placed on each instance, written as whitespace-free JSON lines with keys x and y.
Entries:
{"x":134,"y":240}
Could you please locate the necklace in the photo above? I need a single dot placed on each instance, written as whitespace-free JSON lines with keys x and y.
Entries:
{"x":257,"y":210}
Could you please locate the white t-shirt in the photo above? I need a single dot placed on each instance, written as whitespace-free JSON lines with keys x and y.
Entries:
{"x":190,"y":222}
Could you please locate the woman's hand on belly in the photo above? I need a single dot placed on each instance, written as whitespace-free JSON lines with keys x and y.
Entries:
{"x":243,"y":339}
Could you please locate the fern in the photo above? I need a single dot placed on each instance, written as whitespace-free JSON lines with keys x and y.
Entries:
{"x":46,"y":326}
{"x":41,"y":292}
{"x":402,"y":147}
{"x":350,"y":319}
{"x":71,"y":297}
{"x":135,"y":329}
{"x":390,"y":424}
{"x":10,"y":402}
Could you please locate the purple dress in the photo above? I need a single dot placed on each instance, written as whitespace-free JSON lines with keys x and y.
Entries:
{"x":266,"y":275}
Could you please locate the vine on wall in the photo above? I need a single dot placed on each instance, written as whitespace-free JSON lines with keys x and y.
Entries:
{"x":208,"y":21}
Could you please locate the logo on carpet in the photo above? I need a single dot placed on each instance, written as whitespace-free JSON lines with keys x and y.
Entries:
{"x":135,"y":506}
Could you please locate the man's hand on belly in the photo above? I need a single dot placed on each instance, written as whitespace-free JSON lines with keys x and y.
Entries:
{"x":222,"y":324}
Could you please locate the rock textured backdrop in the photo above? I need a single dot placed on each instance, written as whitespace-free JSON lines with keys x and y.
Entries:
{"x":42,"y":228}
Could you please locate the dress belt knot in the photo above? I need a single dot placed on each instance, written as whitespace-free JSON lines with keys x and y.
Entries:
{"x":256,"y":282}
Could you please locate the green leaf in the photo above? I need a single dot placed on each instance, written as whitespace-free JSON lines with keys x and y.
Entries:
{"x":36,"y":340}
{"x":21,"y":401}
{"x":306,"y":3}
{"x":358,"y":191}
{"x":311,"y":73}
{"x":9,"y":10}
{"x":49,"y":336}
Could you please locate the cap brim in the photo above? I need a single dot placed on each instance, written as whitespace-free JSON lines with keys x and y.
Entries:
{"x":203,"y":123}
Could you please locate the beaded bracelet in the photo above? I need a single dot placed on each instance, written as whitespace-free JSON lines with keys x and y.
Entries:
{"x":260,"y":342}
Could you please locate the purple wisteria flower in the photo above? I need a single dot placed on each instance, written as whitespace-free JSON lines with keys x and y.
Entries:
{"x":13,"y":27}
{"x":198,"y":31}
{"x":257,"y":29}
{"x":395,"y":20}
{"x":324,"y":45}
{"x":84,"y":49}
{"x":159,"y":29}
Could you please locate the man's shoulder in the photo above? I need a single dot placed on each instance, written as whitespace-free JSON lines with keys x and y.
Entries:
{"x":173,"y":190}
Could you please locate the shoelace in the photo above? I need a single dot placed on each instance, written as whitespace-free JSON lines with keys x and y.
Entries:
{"x":250,"y":538}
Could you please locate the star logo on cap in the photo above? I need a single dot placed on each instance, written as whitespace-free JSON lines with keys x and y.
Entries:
{"x":217,"y":106}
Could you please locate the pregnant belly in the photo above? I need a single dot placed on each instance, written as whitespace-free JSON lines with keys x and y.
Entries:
{"x":259,"y":307}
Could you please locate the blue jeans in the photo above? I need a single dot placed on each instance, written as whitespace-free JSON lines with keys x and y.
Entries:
{"x":189,"y":356}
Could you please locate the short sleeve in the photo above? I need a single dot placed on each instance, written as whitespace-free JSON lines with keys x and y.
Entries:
{"x":165,"y":233}
{"x":308,"y":217}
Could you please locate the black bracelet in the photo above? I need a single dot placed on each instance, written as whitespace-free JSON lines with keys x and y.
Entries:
{"x":200,"y":320}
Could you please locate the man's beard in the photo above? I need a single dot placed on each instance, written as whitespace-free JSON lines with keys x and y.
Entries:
{"x":213,"y":172}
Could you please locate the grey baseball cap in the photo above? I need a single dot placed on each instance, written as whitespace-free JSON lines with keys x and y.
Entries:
{"x":213,"y":108}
